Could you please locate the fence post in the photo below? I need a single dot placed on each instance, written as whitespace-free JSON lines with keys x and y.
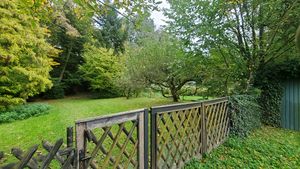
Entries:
{"x":153,"y":127}
{"x":146,"y":138}
{"x":143,"y":139}
{"x":70,"y":137}
{"x":80,"y":145}
{"x":203,"y":129}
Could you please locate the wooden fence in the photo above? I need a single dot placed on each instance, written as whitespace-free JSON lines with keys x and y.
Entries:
{"x":178,"y":133}
{"x":57,"y":156}
{"x":120,"y":141}
{"x":184,"y":131}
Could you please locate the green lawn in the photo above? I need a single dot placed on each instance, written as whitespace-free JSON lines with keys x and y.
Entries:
{"x":64,"y":113}
{"x":265,"y":148}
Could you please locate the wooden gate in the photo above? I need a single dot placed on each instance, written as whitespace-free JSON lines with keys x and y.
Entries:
{"x":115,"y":141}
{"x":290,"y":114}
{"x":185,"y":131}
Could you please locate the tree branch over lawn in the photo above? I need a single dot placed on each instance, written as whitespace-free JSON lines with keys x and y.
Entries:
{"x":259,"y":31}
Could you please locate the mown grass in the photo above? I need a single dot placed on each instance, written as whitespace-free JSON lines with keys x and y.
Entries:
{"x":64,"y":113}
{"x":265,"y":148}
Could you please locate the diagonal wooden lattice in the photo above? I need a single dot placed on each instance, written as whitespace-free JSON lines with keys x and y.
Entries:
{"x":178,"y":137}
{"x":113,"y":141}
{"x":63,"y":157}
{"x":184,"y":131}
{"x":115,"y":148}
{"x":217,"y":123}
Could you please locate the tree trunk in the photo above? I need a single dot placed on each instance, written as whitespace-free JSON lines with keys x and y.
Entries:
{"x":175,"y":94}
{"x":61,"y":76}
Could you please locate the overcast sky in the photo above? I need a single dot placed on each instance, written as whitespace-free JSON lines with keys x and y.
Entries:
{"x":158,"y":16}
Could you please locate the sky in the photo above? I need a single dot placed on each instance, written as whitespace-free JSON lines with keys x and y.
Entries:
{"x":158,"y":16}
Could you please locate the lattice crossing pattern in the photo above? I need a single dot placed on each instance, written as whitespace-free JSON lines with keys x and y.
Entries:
{"x":185,"y":131}
{"x":178,"y":137}
{"x":217,"y":123}
{"x":113,"y":141}
{"x":115,"y":148}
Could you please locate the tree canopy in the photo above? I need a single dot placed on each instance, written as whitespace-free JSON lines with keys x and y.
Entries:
{"x":160,"y":60}
{"x":25,"y":55}
{"x":254,"y":31}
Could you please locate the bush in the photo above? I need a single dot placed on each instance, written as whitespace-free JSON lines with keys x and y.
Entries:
{"x":245,"y":114}
{"x":270,"y":102}
{"x":101,"y":69}
{"x":23,"y":112}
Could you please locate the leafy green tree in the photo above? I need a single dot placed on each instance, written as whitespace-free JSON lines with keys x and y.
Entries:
{"x":111,"y":30}
{"x":100,"y":69}
{"x":256,"y":32}
{"x":70,"y":29}
{"x":25,"y":56}
{"x":222,"y":73}
{"x":160,"y":61}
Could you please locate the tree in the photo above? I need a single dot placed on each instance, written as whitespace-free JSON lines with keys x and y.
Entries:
{"x":70,"y":29}
{"x":222,"y":72}
{"x":256,"y":32}
{"x":111,"y":30}
{"x":160,"y":61}
{"x":100,"y":69}
{"x":25,"y":56}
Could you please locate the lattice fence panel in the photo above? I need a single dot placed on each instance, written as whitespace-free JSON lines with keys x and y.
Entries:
{"x":217,"y":123}
{"x":113,"y":147}
{"x":114,"y":141}
{"x":178,"y":137}
{"x":185,"y":131}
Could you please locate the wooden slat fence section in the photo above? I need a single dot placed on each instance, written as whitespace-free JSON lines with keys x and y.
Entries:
{"x":33,"y":158}
{"x":217,"y":122}
{"x":115,"y":141}
{"x":184,"y":131}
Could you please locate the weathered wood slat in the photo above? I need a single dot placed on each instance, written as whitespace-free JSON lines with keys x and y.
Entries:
{"x":47,"y":146}
{"x":52,"y":154}
{"x":19,"y":154}
{"x":27,"y":156}
{"x":108,"y":120}
{"x":68,"y":163}
{"x":98,"y":145}
{"x":116,"y":163}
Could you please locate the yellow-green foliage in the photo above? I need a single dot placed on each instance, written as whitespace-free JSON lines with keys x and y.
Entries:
{"x":101,"y":68}
{"x":25,"y":56}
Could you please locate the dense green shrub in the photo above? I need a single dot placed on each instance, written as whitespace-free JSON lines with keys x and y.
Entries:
{"x":23,"y":112}
{"x":101,"y":69}
{"x":245,"y":114}
{"x":270,"y":102}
